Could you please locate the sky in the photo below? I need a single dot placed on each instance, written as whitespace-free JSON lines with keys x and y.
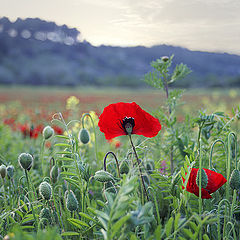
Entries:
{"x":206,"y":25}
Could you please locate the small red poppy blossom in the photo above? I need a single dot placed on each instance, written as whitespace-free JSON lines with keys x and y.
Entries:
{"x":215,"y":181}
{"x":127,"y":118}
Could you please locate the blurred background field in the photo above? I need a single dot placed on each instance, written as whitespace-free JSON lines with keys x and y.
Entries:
{"x":45,"y":101}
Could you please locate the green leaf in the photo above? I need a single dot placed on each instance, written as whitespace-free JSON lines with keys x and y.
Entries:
{"x":168,"y":227}
{"x":119,"y":224}
{"x":78,"y":223}
{"x":205,"y":237}
{"x":188,"y":233}
{"x":62,"y":145}
{"x":176,"y":221}
{"x":84,"y":215}
{"x":70,"y":234}
{"x":62,"y":136}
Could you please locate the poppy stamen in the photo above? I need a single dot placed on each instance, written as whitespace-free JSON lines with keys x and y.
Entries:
{"x":128,"y":125}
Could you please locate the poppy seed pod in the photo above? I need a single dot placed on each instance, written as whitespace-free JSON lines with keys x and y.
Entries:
{"x":3,"y":171}
{"x":84,"y":136}
{"x":124,"y":168}
{"x":54,"y":173}
{"x":235,"y":180}
{"x":10,"y":171}
{"x":25,"y":161}
{"x":103,"y":176}
{"x":71,"y":201}
{"x":48,"y":132}
{"x":204,"y":178}
{"x":45,"y":190}
{"x":45,"y":213}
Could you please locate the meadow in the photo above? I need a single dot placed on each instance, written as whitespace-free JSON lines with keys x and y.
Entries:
{"x":73,"y":166}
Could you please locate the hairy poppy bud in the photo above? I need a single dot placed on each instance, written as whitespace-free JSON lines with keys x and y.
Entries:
{"x":235,"y":180}
{"x":71,"y":201}
{"x":103,"y":176}
{"x":48,"y":132}
{"x":165,"y":58}
{"x":54,"y":173}
{"x":45,"y":190}
{"x":84,"y":136}
{"x":124,"y":168}
{"x":10,"y":171}
{"x":3,"y":171}
{"x":204,"y":179}
{"x":25,"y":161}
{"x":45,"y":213}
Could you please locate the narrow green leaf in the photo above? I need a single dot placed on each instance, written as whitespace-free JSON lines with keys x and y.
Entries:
{"x":168,"y":227}
{"x":70,"y":234}
{"x":119,"y":224}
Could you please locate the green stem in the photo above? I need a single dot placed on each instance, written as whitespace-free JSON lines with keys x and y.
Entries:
{"x":156,"y":205}
{"x":139,"y":168}
{"x":56,"y":206}
{"x":5,"y":196}
{"x":33,"y":212}
{"x":200,"y":177}
{"x":94,"y":131}
{"x":42,"y":156}
{"x":105,"y":162}
{"x":218,"y":217}
{"x":211,"y":151}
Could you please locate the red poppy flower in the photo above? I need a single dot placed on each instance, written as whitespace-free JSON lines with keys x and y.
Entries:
{"x":127,"y":118}
{"x":215,"y":181}
{"x":57,"y":129}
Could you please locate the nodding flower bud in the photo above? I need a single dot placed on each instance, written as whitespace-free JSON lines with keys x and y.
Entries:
{"x":25,"y":161}
{"x":54,"y":173}
{"x":235,"y":180}
{"x":124,"y":168}
{"x":71,"y":201}
{"x":84,"y":136}
{"x":3,"y":171}
{"x":10,"y":171}
{"x":48,"y":132}
{"x":45,"y":213}
{"x":45,"y":190}
{"x":165,"y":58}
{"x":204,"y":179}
{"x":103,"y":176}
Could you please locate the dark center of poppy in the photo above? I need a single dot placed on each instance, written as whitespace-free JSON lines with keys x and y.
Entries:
{"x":128,"y":124}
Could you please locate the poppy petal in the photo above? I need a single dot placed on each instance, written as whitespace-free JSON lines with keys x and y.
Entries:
{"x":110,"y":121}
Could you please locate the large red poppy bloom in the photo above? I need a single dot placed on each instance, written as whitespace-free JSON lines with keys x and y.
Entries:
{"x":127,"y":118}
{"x":215,"y":181}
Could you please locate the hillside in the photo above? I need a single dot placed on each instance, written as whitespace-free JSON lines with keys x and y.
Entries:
{"x":36,"y":52}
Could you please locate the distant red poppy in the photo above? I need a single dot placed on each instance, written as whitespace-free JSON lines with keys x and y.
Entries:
{"x":215,"y":181}
{"x":127,"y":118}
{"x":57,"y":129}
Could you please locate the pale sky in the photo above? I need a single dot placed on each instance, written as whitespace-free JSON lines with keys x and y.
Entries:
{"x":208,"y":25}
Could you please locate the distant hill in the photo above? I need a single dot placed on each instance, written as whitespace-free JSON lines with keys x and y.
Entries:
{"x":33,"y":51}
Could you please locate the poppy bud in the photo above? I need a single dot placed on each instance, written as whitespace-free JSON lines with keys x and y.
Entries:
{"x":71,"y":201}
{"x":48,"y":132}
{"x":54,"y":174}
{"x":45,"y":190}
{"x":3,"y":171}
{"x":165,"y":58}
{"x":110,"y":187}
{"x":235,"y":180}
{"x":103,"y":176}
{"x":25,"y":161}
{"x":84,"y":136}
{"x":204,"y":179}
{"x":124,"y":168}
{"x":45,"y":213}
{"x":10,"y":171}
